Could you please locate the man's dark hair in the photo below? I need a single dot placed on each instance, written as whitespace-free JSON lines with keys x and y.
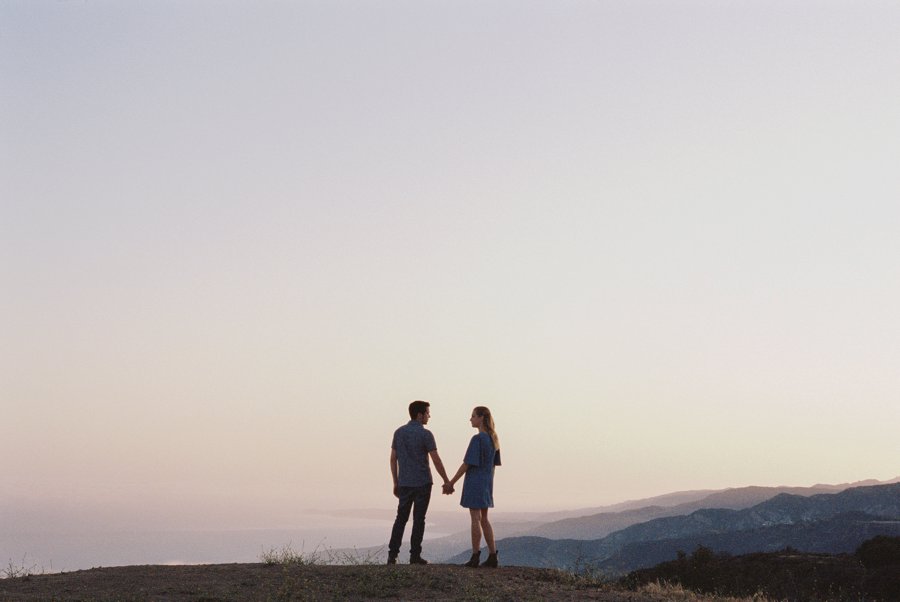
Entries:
{"x":418,"y":407}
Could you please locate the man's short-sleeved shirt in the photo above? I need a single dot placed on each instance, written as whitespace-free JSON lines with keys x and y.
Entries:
{"x":413,"y":442}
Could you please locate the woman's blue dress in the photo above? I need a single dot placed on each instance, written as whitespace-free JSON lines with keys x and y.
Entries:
{"x":478,"y":486}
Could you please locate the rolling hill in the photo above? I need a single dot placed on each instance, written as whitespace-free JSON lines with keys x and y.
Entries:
{"x":816,"y":523}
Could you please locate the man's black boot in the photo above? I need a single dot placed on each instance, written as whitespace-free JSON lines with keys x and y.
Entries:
{"x":416,"y":559}
{"x":392,"y":559}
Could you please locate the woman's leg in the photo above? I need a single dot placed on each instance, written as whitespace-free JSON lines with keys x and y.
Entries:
{"x":475,"y":515}
{"x":488,"y":531}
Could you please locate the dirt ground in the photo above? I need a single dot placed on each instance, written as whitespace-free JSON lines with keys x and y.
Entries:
{"x":227,"y":582}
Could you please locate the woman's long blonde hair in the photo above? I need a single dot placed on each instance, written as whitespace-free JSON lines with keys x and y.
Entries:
{"x":487,"y":422}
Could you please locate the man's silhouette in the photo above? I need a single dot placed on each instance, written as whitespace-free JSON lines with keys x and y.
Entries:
{"x":410,"y":449}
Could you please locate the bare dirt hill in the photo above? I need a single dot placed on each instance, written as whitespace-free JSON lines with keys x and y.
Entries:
{"x":227,"y":582}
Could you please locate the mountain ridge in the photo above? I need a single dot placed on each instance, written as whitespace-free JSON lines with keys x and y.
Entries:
{"x":875,"y":502}
{"x":614,"y":517}
{"x":601,"y":524}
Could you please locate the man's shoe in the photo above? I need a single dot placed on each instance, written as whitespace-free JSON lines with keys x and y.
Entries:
{"x":491,"y":562}
{"x":417,"y":560}
{"x":473,"y":561}
{"x":392,"y":560}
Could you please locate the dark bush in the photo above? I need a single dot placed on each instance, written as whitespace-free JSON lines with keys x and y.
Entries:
{"x":871,"y":574}
{"x":703,"y":555}
{"x":782,"y":575}
{"x":881,"y":551}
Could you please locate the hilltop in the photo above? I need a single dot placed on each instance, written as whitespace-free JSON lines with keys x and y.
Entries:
{"x":234,"y":582}
{"x":870,"y":573}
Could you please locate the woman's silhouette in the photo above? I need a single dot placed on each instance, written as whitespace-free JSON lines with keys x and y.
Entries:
{"x":481,"y":457}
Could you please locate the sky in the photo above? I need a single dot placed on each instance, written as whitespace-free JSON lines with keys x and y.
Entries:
{"x":657,"y":239}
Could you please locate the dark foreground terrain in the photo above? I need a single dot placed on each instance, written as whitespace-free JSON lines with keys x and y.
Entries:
{"x":871,"y":574}
{"x":219,"y":583}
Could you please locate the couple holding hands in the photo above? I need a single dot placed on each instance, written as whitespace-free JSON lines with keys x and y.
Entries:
{"x":411,"y":448}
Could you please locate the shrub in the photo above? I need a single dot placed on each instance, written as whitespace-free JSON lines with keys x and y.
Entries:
{"x":881,"y":551}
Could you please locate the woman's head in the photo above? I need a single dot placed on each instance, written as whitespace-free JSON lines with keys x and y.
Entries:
{"x":483,"y":420}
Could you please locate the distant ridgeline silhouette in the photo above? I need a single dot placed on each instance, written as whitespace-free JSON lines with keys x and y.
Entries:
{"x":589,"y":524}
{"x":826,"y":523}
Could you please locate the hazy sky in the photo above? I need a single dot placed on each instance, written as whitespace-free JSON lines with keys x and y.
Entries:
{"x":658,"y":239}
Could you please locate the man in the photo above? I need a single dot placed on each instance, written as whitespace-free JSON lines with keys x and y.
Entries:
{"x":410,"y":449}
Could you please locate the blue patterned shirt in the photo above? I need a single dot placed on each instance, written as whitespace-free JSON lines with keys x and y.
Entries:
{"x":413,"y":442}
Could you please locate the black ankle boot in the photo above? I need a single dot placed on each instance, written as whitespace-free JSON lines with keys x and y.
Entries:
{"x":491,"y":562}
{"x":473,"y":561}
{"x":416,"y":559}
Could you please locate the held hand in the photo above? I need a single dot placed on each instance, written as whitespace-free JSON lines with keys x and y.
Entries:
{"x":448,"y":488}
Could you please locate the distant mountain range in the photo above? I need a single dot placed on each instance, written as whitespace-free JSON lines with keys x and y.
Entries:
{"x":549,"y":531}
{"x":841,"y":534}
{"x":610,"y":520}
{"x":822,"y":522}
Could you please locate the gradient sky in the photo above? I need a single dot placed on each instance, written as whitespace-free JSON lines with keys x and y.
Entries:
{"x":658,"y":239}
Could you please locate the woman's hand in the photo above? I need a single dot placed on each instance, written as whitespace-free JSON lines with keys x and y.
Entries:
{"x":459,"y":473}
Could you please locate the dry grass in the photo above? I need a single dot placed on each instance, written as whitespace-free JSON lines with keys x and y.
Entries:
{"x":13,"y":570}
{"x":676,"y":593}
{"x":287,"y":556}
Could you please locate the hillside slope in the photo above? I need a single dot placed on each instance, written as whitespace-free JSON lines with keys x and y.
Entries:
{"x":871,"y":573}
{"x":841,"y":534}
{"x":871,"y":505}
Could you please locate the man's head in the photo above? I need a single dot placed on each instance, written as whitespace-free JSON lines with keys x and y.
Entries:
{"x":418,"y":410}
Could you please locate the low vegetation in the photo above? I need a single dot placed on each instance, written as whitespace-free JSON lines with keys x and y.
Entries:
{"x":23,"y":569}
{"x":287,"y":556}
{"x":872,"y":573}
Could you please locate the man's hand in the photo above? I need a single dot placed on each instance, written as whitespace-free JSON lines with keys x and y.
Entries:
{"x":448,"y":489}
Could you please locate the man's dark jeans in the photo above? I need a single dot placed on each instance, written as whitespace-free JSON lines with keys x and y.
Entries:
{"x":415,"y":499}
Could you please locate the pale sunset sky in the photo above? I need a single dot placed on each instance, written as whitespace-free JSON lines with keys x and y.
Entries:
{"x":659,"y":239}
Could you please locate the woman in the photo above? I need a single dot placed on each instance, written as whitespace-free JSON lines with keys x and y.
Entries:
{"x":478,"y":487}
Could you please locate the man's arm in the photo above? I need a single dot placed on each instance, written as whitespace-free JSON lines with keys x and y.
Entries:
{"x":394,"y":472}
{"x":438,"y":465}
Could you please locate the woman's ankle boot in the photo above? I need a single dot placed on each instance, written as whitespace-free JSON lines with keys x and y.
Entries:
{"x":491,"y":562}
{"x":473,"y":561}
